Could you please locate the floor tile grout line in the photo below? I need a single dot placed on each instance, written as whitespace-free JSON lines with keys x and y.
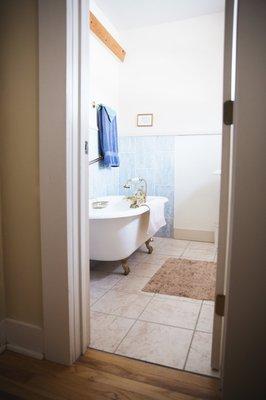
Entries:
{"x":113,"y":287}
{"x":155,"y":295}
{"x":137,"y":294}
{"x":152,"y":322}
{"x":133,"y":324}
{"x":102,"y":288}
{"x":185,"y":249}
{"x":193,"y":334}
{"x":131,"y":272}
{"x":168,"y":325}
{"x":130,"y":291}
{"x":192,"y":337}
{"x":201,"y":331}
{"x":206,"y":259}
{"x":172,"y":326}
{"x":125,"y":335}
{"x":108,"y":273}
{"x":157,"y":323}
{"x":159,"y":296}
{"x":117,"y":347}
{"x":177,"y":298}
{"x":108,"y":290}
{"x":152,"y":297}
{"x":205,"y":374}
{"x":96,"y":301}
{"x":114,"y":315}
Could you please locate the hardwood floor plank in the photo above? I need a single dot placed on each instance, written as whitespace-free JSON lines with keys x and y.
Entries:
{"x":121,"y":383}
{"x":86,"y":380}
{"x":17,"y":392}
{"x":100,"y":376}
{"x":168,"y":378}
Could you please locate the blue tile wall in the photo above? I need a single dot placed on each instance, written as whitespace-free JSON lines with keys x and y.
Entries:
{"x":151,"y":157}
{"x":103,"y":181}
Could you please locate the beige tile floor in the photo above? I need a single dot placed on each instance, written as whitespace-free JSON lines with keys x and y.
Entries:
{"x":167,"y":330}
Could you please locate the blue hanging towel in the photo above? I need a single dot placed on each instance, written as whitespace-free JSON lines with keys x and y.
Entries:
{"x":106,"y":118}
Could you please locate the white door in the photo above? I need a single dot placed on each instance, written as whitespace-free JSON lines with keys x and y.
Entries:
{"x":225,"y":196}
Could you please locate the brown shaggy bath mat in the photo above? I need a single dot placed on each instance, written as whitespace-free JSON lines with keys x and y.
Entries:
{"x":187,"y":278}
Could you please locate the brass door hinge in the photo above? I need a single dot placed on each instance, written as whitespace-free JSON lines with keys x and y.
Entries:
{"x":219,"y":304}
{"x":228,"y":112}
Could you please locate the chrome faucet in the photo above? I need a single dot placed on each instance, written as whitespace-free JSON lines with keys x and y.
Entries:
{"x":139,"y":197}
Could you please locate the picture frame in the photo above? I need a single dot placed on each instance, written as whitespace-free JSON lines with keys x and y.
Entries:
{"x":144,"y":120}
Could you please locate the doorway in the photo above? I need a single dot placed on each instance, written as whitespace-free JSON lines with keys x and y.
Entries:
{"x":125,"y":319}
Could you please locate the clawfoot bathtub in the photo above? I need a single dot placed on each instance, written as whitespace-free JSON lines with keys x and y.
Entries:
{"x":118,"y":230}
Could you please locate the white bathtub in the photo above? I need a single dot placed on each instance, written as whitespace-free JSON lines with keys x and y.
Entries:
{"x":118,"y":230}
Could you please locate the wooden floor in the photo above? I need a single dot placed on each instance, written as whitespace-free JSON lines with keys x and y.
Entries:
{"x":99,"y":375}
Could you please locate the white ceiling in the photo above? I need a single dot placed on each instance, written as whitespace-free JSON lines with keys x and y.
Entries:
{"x":128,"y":14}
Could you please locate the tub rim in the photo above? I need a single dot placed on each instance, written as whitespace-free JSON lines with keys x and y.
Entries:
{"x":103,"y":214}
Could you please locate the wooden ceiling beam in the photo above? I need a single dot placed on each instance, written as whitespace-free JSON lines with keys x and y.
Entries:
{"x":101,"y":32}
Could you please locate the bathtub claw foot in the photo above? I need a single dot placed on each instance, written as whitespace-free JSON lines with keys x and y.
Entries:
{"x":149,"y":247}
{"x":125,"y":267}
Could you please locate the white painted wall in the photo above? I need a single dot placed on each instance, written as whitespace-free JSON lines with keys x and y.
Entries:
{"x":104,"y":71}
{"x":173,"y":70}
{"x":197,"y":189}
{"x":104,"y":68}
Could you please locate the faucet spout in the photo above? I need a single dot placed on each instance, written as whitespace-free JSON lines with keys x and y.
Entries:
{"x":139,"y":197}
{"x":127,"y":184}
{"x":145,"y":186}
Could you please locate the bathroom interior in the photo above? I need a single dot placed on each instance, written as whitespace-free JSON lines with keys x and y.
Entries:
{"x":156,"y":77}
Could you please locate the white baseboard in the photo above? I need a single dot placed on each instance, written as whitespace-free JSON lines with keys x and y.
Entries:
{"x":191,"y":234}
{"x":24,"y":338}
{"x":24,"y":351}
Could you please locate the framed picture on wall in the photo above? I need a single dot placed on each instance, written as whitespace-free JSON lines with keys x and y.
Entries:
{"x":144,"y":120}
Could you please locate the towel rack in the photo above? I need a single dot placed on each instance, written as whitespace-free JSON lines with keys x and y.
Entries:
{"x":98,"y":159}
{"x":94,"y":105}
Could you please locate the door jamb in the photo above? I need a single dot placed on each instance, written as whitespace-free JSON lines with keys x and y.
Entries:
{"x":63,"y":52}
{"x":63,"y":129}
{"x":226,"y":177}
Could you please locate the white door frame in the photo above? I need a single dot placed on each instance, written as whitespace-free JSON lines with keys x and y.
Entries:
{"x":226,"y":177}
{"x":63,"y":130}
